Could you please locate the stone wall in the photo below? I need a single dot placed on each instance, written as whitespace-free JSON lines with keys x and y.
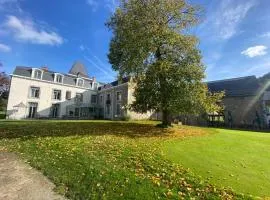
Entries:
{"x":127,"y":90}
{"x":243,"y":110}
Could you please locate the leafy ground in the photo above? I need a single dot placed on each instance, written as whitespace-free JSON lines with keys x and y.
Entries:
{"x":109,"y":160}
{"x":237,"y":159}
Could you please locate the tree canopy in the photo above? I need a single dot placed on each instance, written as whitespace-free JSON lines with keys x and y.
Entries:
{"x":4,"y":89}
{"x":151,"y":44}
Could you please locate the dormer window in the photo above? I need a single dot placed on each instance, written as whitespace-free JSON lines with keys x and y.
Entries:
{"x":80,"y":82}
{"x":95,"y":86}
{"x":58,"y":78}
{"x":37,"y":73}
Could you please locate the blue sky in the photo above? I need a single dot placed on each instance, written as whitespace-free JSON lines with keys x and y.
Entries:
{"x":234,"y":36}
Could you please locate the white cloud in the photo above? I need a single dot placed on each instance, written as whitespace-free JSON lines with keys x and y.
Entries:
{"x":230,"y":15}
{"x":4,"y":48}
{"x":251,"y":52}
{"x":29,"y":31}
{"x":93,"y":3}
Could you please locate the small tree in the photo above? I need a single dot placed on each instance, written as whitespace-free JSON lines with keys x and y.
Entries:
{"x":149,"y":43}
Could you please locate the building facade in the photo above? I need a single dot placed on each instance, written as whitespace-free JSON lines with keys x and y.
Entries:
{"x":40,"y":93}
{"x":246,"y":102}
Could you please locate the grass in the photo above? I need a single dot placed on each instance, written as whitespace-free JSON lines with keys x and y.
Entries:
{"x":111,"y":160}
{"x":236,"y":159}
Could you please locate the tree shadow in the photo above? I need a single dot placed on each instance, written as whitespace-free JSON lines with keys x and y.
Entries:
{"x":46,"y":128}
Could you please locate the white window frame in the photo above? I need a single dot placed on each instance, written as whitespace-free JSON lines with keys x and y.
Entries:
{"x":101,"y":99}
{"x":55,"y":77}
{"x":95,"y":85}
{"x":96,"y":98}
{"x":30,"y":92}
{"x":61,"y":95}
{"x":117,"y":96}
{"x":34,"y":71}
{"x":76,"y":99}
{"x":70,"y":95}
{"x":77,"y":82}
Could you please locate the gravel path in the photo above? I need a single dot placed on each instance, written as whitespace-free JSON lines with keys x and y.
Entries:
{"x":19,"y":181}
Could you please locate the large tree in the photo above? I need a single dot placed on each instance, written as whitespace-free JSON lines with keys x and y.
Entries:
{"x":151,"y":44}
{"x":4,"y":88}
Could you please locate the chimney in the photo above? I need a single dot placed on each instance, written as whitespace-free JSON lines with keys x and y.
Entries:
{"x":44,"y":68}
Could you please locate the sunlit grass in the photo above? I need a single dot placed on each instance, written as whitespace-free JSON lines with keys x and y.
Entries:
{"x":108,"y":160}
{"x":236,"y":159}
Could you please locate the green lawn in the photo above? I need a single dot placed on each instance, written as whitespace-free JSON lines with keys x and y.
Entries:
{"x":126,"y":160}
{"x":236,"y":159}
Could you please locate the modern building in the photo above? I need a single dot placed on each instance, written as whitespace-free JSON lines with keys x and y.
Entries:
{"x":41,"y":93}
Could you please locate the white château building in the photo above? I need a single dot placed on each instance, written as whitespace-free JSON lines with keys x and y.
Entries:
{"x":41,"y":93}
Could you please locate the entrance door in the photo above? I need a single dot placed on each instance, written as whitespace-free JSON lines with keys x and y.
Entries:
{"x":108,"y":111}
{"x":77,"y":112}
{"x":32,"y":112}
{"x":55,"y":110}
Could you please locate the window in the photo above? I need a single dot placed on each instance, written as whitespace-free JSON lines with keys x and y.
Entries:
{"x":95,"y":86}
{"x":80,"y":82}
{"x":101,"y":99}
{"x":77,"y":112}
{"x":108,"y":109}
{"x":71,"y":113}
{"x":91,"y":109}
{"x":118,"y":109}
{"x":79,"y":97}
{"x":93,"y":98}
{"x":84,"y":112}
{"x":55,"y":110}
{"x":57,"y":94}
{"x":59,"y":78}
{"x":68,"y":95}
{"x":32,"y":110}
{"x":108,"y":100}
{"x":34,"y":92}
{"x":118,"y":96}
{"x":37,"y":74}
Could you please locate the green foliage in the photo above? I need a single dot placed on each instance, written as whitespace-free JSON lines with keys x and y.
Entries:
{"x":150,"y":44}
{"x":108,"y":160}
{"x":126,"y":118}
{"x":4,"y":87}
{"x":3,"y":104}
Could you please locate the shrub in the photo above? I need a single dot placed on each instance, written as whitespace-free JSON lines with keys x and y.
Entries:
{"x":126,"y":118}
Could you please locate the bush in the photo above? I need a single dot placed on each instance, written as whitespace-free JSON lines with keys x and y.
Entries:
{"x":126,"y":118}
{"x":2,"y":116}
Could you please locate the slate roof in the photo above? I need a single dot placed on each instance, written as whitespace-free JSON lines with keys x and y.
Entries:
{"x":236,"y":87}
{"x":115,"y":83}
{"x":49,"y":76}
{"x":78,"y":69}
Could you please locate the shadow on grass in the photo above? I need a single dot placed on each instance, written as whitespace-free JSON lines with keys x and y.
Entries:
{"x":25,"y":129}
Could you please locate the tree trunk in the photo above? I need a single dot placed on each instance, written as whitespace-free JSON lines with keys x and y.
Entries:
{"x":166,"y":118}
